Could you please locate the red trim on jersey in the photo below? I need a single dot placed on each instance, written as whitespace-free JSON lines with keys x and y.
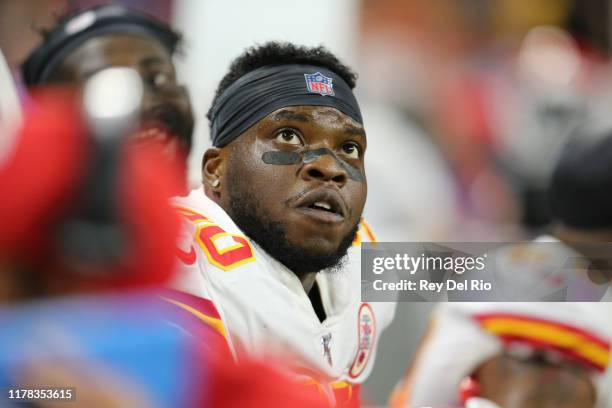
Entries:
{"x":190,"y":214}
{"x":188,"y":258}
{"x":574,"y":343}
{"x":568,"y":354}
{"x":347,"y":396}
{"x":205,"y":306}
{"x":368,"y":231}
{"x":481,"y":317}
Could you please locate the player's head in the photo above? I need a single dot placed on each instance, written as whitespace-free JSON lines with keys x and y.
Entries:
{"x":579,"y":194}
{"x":288,"y":157}
{"x":535,"y":382}
{"x":514,"y":363}
{"x":87,"y":41}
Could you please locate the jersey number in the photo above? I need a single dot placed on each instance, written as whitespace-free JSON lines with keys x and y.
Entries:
{"x":223,"y":249}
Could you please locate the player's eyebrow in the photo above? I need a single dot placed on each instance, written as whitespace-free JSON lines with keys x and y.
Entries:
{"x":148,"y":61}
{"x":354,"y":130}
{"x":290,"y":115}
{"x":348,"y":128}
{"x":301,"y":117}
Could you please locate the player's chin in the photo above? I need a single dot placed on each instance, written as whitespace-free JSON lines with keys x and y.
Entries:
{"x":316,"y":238}
{"x":304,"y":228}
{"x":315,"y":249}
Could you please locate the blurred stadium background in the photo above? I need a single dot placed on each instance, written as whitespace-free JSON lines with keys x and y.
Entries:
{"x":466,"y":104}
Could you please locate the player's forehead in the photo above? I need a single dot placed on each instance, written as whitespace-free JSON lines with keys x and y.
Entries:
{"x":323,"y":116}
{"x":129,"y":50}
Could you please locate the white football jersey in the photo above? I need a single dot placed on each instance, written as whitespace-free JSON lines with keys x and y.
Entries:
{"x":262,"y":305}
{"x":461,"y":336}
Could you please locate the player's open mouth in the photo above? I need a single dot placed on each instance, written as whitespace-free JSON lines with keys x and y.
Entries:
{"x":324,"y":204}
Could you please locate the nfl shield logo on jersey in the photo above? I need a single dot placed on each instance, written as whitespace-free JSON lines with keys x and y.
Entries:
{"x":319,"y":83}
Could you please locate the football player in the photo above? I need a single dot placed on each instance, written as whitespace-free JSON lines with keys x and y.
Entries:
{"x":580,"y":203}
{"x":66,"y":323}
{"x":535,"y":354}
{"x":90,"y":40}
{"x":272,"y":237}
{"x":572,"y":262}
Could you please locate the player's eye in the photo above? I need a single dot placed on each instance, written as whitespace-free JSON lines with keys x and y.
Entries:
{"x":288,"y":136}
{"x":160,"y":80}
{"x":351,"y":150}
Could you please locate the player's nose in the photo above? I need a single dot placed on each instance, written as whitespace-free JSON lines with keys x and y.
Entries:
{"x":324,"y":168}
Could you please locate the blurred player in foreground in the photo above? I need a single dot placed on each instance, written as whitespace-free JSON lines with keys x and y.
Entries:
{"x":76,"y":199}
{"x":268,"y":234}
{"x":73,"y":226}
{"x":87,"y":41}
{"x":88,"y":237}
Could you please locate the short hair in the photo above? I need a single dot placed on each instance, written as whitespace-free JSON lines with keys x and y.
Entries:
{"x":280,"y":53}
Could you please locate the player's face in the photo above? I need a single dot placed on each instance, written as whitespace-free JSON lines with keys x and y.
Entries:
{"x":316,"y":202}
{"x":166,"y":113}
{"x":513,"y":383}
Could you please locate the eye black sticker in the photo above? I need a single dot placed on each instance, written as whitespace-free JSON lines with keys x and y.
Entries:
{"x":282,"y":158}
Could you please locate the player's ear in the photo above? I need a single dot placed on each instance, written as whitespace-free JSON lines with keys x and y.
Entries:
{"x":212,"y":166}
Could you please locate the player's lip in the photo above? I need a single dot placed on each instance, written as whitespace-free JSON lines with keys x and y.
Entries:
{"x":324,"y":204}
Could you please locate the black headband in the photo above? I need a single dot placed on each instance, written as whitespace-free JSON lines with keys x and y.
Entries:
{"x":264,"y":90}
{"x":94,"y":22}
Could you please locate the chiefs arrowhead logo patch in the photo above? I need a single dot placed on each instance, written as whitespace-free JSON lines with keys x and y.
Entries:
{"x":367,"y":333}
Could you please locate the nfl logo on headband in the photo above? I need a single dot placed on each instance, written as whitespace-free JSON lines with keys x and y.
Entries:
{"x":319,"y":83}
